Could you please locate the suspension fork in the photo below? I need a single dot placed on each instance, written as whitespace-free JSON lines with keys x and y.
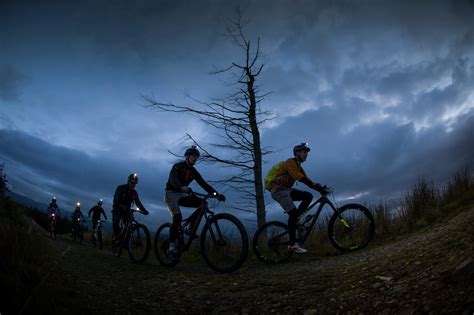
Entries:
{"x":211,"y":231}
{"x":339,"y":216}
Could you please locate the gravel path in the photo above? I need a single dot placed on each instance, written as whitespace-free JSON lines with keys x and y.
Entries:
{"x":428,"y":272}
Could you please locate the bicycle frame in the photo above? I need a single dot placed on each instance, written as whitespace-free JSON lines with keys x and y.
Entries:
{"x":125,"y":232}
{"x":323,"y":200}
{"x":204,"y":212}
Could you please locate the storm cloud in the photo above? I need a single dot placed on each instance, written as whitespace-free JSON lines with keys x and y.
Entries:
{"x":382,"y":91}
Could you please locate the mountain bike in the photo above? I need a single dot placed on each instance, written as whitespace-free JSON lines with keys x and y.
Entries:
{"x":52,"y":226}
{"x":135,"y":237}
{"x":223,"y":239}
{"x":351,"y":227}
{"x":97,"y":234}
{"x":77,"y":231}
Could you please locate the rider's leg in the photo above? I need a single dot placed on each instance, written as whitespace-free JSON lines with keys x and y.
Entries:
{"x":292,"y":219}
{"x":191,"y":202}
{"x":304,"y":196}
{"x":172,"y":202}
{"x":177,"y":218}
{"x":116,"y":222}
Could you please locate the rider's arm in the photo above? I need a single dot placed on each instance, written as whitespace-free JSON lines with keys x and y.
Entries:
{"x":316,"y":186}
{"x":103,"y":212}
{"x":203,"y":183}
{"x":139,"y":204}
{"x":90,"y":211}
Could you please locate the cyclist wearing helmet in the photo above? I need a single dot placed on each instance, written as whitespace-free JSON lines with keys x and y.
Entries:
{"x":53,"y":208}
{"x":77,"y":214}
{"x":281,"y":188}
{"x":177,"y":192}
{"x":124,"y":196}
{"x":96,"y":211}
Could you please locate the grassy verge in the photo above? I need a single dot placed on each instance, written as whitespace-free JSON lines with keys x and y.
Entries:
{"x":27,"y":265}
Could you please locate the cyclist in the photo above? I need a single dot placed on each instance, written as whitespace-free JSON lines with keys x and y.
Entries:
{"x":177,"y":193}
{"x":77,"y":214}
{"x":53,"y":208}
{"x":281,"y":188}
{"x":96,"y":211}
{"x":124,"y":196}
{"x":53,"y":213}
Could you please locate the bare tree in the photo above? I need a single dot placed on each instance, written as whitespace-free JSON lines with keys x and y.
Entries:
{"x":237,"y":117}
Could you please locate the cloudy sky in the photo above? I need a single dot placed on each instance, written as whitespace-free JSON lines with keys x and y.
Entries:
{"x":381,"y":90}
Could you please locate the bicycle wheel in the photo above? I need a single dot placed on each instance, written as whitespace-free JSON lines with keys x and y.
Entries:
{"x":80,"y":236}
{"x":161,"y":245}
{"x":94,"y":241}
{"x":270,"y":243}
{"x":99,"y":238}
{"x":139,"y":243}
{"x":116,"y":246}
{"x":224,"y":243}
{"x":353,"y":229}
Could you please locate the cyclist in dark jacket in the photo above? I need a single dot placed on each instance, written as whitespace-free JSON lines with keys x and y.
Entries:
{"x":77,"y":214}
{"x":124,"y":196}
{"x":177,"y":192}
{"x":96,"y":211}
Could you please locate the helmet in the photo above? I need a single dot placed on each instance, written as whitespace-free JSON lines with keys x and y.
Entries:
{"x":192,"y":150}
{"x":299,"y":147}
{"x":78,"y":204}
{"x":54,"y":199}
{"x":133,"y":178}
{"x":100,"y":202}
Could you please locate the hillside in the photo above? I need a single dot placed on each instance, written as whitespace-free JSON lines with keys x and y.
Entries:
{"x":431,"y":271}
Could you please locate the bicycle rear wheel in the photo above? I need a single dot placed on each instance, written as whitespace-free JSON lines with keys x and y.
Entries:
{"x":139,"y":243}
{"x":224,"y":243}
{"x":270,"y":243}
{"x":161,"y":246}
{"x":99,"y":238}
{"x":352,"y":229}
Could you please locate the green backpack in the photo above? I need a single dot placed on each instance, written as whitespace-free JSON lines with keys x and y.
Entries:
{"x":272,"y":174}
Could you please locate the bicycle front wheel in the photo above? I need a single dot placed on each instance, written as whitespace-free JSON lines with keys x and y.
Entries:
{"x":224,"y":243}
{"x":161,"y":246}
{"x":352,"y":229}
{"x":139,"y":243}
{"x":80,"y":235}
{"x":270,"y":243}
{"x":99,"y":238}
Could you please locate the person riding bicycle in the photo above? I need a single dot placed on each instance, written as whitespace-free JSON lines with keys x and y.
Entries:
{"x":177,"y":193}
{"x":96,"y":211}
{"x":53,"y":214}
{"x":77,"y":214}
{"x":124,"y":196}
{"x":53,"y":209}
{"x":281,"y":188}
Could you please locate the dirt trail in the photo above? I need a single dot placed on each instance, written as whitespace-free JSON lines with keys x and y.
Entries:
{"x":429,"y":272}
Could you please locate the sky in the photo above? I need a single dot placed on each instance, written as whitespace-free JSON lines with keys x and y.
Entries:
{"x":383,"y":92}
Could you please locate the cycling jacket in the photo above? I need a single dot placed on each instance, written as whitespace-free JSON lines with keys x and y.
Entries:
{"x":288,"y":173}
{"x":124,"y":197}
{"x":182,"y":175}
{"x":96,"y":212}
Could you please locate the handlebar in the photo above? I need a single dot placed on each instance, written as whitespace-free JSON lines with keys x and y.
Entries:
{"x":138,"y":210}
{"x":205,"y":196}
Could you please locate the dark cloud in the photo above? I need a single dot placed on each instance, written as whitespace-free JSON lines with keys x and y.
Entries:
{"x":382,"y":90}
{"x":11,"y":81}
{"x":38,"y":169}
{"x":383,"y":159}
